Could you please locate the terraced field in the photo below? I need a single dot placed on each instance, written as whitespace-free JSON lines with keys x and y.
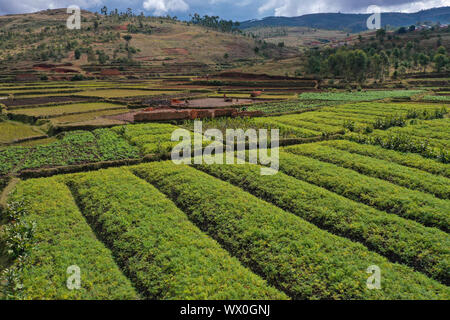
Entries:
{"x":67,"y":109}
{"x":360,"y":96}
{"x":12,"y":131}
{"x":121,"y":93}
{"x":362,"y":182}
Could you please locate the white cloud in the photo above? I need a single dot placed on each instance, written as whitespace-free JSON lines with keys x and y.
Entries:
{"x":160,"y":7}
{"x":25,"y":6}
{"x":290,"y":8}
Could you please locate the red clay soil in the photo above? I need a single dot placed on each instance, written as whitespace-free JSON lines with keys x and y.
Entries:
{"x":208,"y":103}
{"x":41,"y":100}
{"x":176,"y":51}
{"x":64,"y":70}
{"x":192,"y":114}
{"x":122,"y":27}
{"x":26,"y":77}
{"x":110,"y":72}
{"x":252,"y":76}
{"x":126,"y":117}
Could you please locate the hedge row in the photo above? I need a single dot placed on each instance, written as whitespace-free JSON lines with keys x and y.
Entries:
{"x":285,"y":129}
{"x":292,"y":254}
{"x":74,"y":148}
{"x":424,"y":131}
{"x":428,"y":249}
{"x":406,"y":159}
{"x":165,"y":255}
{"x":318,"y":127}
{"x":329,"y":117}
{"x":62,"y":238}
{"x":385,"y":196}
{"x":429,"y":148}
{"x":382,"y":169}
{"x":10,"y":157}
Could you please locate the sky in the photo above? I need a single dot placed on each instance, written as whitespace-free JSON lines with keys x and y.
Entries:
{"x":236,"y":10}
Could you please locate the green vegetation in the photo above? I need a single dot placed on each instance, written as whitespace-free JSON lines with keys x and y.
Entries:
{"x":385,"y":196}
{"x":293,"y":255}
{"x":164,"y":254}
{"x":359,"y":96}
{"x":10,"y":157}
{"x":12,"y":131}
{"x":375,"y":58}
{"x":112,"y":147}
{"x":405,"y":159}
{"x":437,"y":98}
{"x":67,"y":109}
{"x":296,"y":121}
{"x":382,"y":169}
{"x":428,"y":249}
{"x":121,"y":93}
{"x":152,"y":138}
{"x":77,"y":147}
{"x":429,"y":148}
{"x":282,"y":107}
{"x":46,"y":235}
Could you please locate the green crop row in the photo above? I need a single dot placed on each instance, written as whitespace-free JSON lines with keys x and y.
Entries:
{"x":405,"y":159}
{"x":437,"y":98}
{"x":385,"y":196}
{"x":435,"y":149}
{"x":289,"y":106}
{"x":428,"y":249}
{"x":359,"y":96}
{"x":290,"y":253}
{"x":10,"y":157}
{"x":441,"y":124}
{"x":328,"y":118}
{"x":165,"y":255}
{"x":131,"y":131}
{"x":73,"y":148}
{"x":60,"y":238}
{"x":285,"y":130}
{"x":295,"y":121}
{"x":427,"y":130}
{"x":3,"y":183}
{"x":382,"y":169}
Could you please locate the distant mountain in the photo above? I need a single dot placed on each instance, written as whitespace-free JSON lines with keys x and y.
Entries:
{"x":351,"y":22}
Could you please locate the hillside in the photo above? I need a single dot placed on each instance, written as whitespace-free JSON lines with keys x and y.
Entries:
{"x":351,"y":22}
{"x":158,"y":45}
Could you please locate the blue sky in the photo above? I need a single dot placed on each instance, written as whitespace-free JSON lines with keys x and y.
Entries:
{"x":236,"y":10}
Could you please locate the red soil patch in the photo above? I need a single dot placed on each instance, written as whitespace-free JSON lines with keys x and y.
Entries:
{"x":122,"y":27}
{"x":176,"y":51}
{"x":110,"y":72}
{"x":26,"y":77}
{"x":215,"y":103}
{"x":192,"y":114}
{"x":64,"y":70}
{"x":252,"y":76}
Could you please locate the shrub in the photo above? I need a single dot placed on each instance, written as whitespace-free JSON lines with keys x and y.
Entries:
{"x":292,"y":254}
{"x":52,"y":235}
{"x":160,"y":249}
{"x":386,"y":234}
